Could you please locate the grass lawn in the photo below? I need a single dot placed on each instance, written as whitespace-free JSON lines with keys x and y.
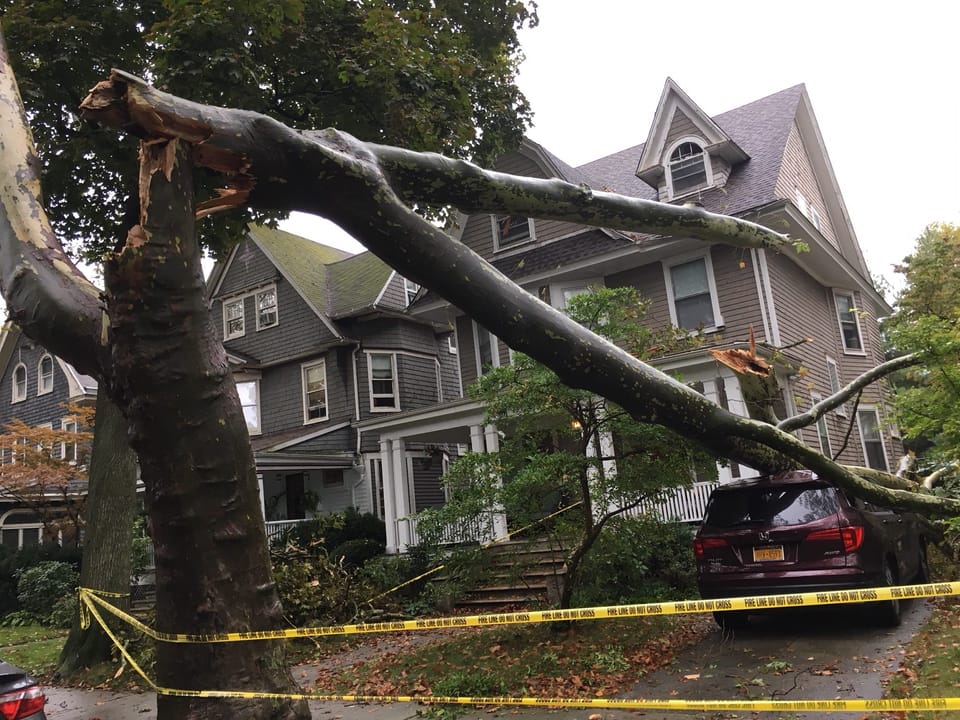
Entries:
{"x":32,"y":647}
{"x":931,"y":666}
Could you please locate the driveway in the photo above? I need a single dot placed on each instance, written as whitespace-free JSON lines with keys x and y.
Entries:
{"x":815,"y":654}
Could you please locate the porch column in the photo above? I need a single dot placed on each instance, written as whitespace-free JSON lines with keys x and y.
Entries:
{"x":476,"y":439}
{"x":711,"y":393}
{"x":498,"y":518}
{"x":402,"y":497}
{"x":737,"y":406}
{"x":389,"y":505}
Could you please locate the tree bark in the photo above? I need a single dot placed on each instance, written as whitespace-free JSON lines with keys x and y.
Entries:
{"x":170,"y":373}
{"x":108,"y":515}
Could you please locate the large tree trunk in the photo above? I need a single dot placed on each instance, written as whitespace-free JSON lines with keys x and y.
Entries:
{"x":171,"y":376}
{"x":108,"y":514}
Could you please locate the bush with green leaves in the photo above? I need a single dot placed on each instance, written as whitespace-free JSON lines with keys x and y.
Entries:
{"x":41,"y":587}
{"x":317,"y":591}
{"x":640,"y":559}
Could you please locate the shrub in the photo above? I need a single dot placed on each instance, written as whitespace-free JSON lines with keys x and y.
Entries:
{"x":638,"y":560}
{"x":40,"y":587}
{"x":316,"y":591}
{"x":354,"y":553}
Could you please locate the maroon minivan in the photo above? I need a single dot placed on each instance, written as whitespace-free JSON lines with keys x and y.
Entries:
{"x":793,"y":532}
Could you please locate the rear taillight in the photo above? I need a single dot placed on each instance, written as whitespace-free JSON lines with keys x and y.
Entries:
{"x":701,"y":545}
{"x":21,"y":703}
{"x":851,"y":537}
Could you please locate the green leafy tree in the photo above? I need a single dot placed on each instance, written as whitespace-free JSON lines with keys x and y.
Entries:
{"x":566,"y":447}
{"x":927,"y":321}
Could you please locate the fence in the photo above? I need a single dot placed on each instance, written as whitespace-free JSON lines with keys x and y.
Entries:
{"x":685,"y":504}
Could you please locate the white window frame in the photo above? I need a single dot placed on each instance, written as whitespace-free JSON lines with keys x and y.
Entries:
{"x":668,"y":266}
{"x":395,"y":380}
{"x":452,"y":346}
{"x":20,"y":527}
{"x":862,"y":350}
{"x":559,"y":290}
{"x":255,"y":382}
{"x":41,"y":389}
{"x":19,"y":396}
{"x":498,"y":245}
{"x":707,"y":166}
{"x":227,"y":335}
{"x":68,"y":425}
{"x":276,"y":307}
{"x":307,"y":420}
{"x":494,"y":348}
{"x":833,"y":378}
{"x":410,"y":290}
{"x":823,"y":433}
{"x":863,"y":409}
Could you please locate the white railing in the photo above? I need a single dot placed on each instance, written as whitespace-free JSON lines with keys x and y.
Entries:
{"x":474,"y":530}
{"x":684,"y":504}
{"x":276,"y":527}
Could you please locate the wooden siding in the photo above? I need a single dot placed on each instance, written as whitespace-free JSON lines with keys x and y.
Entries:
{"x":796,"y":173}
{"x":467,"y":354}
{"x":281,"y":393}
{"x":299,"y":329}
{"x":805,"y":308}
{"x":338,"y":441}
{"x":427,"y":489}
{"x":449,"y":369}
{"x":648,"y":279}
{"x":478,"y":229}
{"x":680,"y":126}
{"x":35,"y":409}
{"x":736,"y":294}
{"x":395,"y":295}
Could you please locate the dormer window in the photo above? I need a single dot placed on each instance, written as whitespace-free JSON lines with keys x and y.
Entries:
{"x":45,"y":375}
{"x":509,"y":230}
{"x":689,"y":168}
{"x":19,"y":383}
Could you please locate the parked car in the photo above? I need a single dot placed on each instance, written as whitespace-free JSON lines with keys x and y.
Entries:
{"x":794,"y":532}
{"x":20,"y":696}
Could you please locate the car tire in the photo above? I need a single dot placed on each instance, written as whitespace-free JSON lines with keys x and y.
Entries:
{"x":888,"y":611}
{"x":731,"y":619}
{"x":923,"y":566}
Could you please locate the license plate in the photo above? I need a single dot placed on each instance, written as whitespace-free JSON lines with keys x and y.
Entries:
{"x":768,"y":553}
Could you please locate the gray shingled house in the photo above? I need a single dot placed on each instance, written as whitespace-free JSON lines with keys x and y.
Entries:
{"x":35,"y":387}
{"x":766,"y":162}
{"x":319,"y":340}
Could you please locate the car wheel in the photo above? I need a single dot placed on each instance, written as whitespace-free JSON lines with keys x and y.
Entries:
{"x":923,"y":565}
{"x":888,"y":611}
{"x":731,"y":619}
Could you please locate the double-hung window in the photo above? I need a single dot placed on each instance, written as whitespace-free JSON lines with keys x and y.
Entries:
{"x":870,"y":434}
{"x":19,"y":383}
{"x":823,"y":436}
{"x":68,"y":448}
{"x":849,"y":320}
{"x":410,"y":290}
{"x":384,"y":395}
{"x":509,"y":230}
{"x":692,"y":294}
{"x":249,"y":392}
{"x":266,"y":301}
{"x":233,"y":323}
{"x":45,"y":375}
{"x":833,"y":375}
{"x":689,"y":168}
{"x":314,"y":392}
{"x":486,"y":349}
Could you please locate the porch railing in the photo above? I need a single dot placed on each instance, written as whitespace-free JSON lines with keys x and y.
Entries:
{"x":275,"y":528}
{"x":684,"y":504}
{"x":474,"y":530}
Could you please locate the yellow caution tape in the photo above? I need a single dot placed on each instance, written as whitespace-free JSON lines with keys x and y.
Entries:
{"x":909,"y":704}
{"x":751,"y":603}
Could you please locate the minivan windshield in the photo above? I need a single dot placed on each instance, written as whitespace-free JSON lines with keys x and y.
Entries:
{"x":771,"y":506}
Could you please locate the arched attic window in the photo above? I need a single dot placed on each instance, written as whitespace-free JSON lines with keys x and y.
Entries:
{"x":689,"y":168}
{"x":19,"y":383}
{"x":45,"y":375}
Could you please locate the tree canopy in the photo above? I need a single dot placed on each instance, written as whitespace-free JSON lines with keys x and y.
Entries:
{"x":436,"y":76}
{"x":927,"y":321}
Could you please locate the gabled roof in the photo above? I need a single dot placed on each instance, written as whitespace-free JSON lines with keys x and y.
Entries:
{"x":673,"y":100}
{"x":356,"y":284}
{"x":333,"y":282}
{"x":760,"y":128}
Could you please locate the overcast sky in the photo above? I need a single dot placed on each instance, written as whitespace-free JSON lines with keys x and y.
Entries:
{"x":882,"y":78}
